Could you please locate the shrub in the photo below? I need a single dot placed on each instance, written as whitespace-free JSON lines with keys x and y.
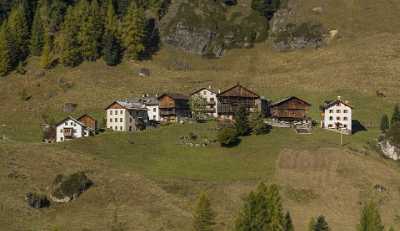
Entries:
{"x":227,"y":137}
{"x":242,"y":122}
{"x":394,"y":134}
{"x":257,"y":124}
{"x":71,"y":186}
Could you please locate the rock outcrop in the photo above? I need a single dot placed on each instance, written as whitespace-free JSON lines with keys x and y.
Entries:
{"x":389,"y":150}
{"x":202,"y":27}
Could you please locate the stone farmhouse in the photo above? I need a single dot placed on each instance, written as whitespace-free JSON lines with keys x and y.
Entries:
{"x":70,"y":128}
{"x":151,"y":104}
{"x":337,"y":115}
{"x":211,"y":98}
{"x":126,"y":116}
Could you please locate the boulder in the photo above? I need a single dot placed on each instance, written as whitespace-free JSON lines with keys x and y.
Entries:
{"x":144,"y":72}
{"x":37,"y":201}
{"x":67,"y":188}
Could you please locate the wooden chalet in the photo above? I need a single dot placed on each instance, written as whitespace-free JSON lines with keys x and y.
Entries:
{"x":173,"y":107}
{"x":229,"y":101}
{"x":88,"y":121}
{"x":290,"y":109}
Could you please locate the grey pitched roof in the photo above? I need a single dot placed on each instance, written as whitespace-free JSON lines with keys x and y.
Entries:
{"x":148,"y":100}
{"x":131,"y":105}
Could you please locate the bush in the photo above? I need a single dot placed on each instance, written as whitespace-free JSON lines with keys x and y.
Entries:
{"x":394,"y":134}
{"x":37,"y":201}
{"x":228,"y":137}
{"x":71,"y":186}
{"x":257,"y":124}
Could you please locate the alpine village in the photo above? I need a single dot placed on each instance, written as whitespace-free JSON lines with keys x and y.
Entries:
{"x":199,"y":115}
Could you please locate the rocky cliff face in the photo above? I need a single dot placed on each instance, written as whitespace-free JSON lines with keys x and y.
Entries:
{"x":208,"y":27}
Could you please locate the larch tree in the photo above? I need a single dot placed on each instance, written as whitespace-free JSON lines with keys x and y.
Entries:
{"x":111,"y":43}
{"x":133,"y":32}
{"x":19,"y":32}
{"x":370,"y":219}
{"x":275,"y":208}
{"x":385,"y":124}
{"x":46,"y":56}
{"x":204,"y":216}
{"x":37,"y":34}
{"x":68,"y":43}
{"x":5,"y":56}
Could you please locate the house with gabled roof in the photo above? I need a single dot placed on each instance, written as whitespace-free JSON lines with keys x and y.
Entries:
{"x":151,"y":104}
{"x":70,"y":128}
{"x":290,"y":109}
{"x":337,"y":115}
{"x":232,"y":99}
{"x":126,"y":116}
{"x":210,"y":97}
{"x":174,"y":107}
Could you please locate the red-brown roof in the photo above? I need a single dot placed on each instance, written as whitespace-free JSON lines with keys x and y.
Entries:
{"x":288,"y":99}
{"x":175,"y":96}
{"x":239,"y":91}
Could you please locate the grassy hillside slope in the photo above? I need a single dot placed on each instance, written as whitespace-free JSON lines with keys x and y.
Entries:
{"x":153,"y":179}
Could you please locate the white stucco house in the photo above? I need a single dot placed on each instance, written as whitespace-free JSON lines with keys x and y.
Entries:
{"x":126,"y":116}
{"x":70,"y":128}
{"x":210,"y":96}
{"x":337,"y":115}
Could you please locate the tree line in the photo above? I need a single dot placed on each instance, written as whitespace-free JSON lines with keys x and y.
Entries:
{"x":70,"y":32}
{"x":262,"y":210}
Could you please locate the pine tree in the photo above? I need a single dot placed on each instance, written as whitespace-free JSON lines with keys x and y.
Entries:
{"x":395,"y":116}
{"x":111,"y":22}
{"x":385,"y":123}
{"x":321,"y":224}
{"x":275,"y":208}
{"x":68,"y":42}
{"x":133,"y":31}
{"x":242,"y":122}
{"x":288,"y":223}
{"x":5,"y":56}
{"x":37,"y":34}
{"x":370,"y":218}
{"x":19,"y":32}
{"x":203,"y":215}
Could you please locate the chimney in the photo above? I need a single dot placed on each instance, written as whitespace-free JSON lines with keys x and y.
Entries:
{"x":209,"y":87}
{"x":339,"y":97}
{"x":346,"y":102}
{"x":219,"y":91}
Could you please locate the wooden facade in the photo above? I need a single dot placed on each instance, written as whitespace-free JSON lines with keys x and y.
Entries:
{"x":88,"y":121}
{"x":291,"y":108}
{"x":236,"y":97}
{"x":173,"y":107}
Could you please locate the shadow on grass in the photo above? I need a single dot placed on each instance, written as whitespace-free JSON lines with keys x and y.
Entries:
{"x":233,"y":144}
{"x":358,"y":127}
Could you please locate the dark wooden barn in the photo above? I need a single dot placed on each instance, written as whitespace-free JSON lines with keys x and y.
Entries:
{"x":291,"y":109}
{"x":231,"y":100}
{"x":173,"y":107}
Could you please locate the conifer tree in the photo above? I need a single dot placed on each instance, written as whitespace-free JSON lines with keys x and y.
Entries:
{"x":68,"y":42}
{"x":395,"y":116}
{"x":133,"y":32}
{"x":242,"y":122}
{"x":370,"y":219}
{"x":275,"y":208}
{"x":311,"y":224}
{"x":384,"y":123}
{"x":288,"y":223}
{"x":203,"y":215}
{"x":257,"y":123}
{"x":254,"y":215}
{"x":111,"y":49}
{"x":37,"y":34}
{"x":46,"y":59}
{"x":111,"y":21}
{"x":321,"y":224}
{"x":19,"y":32}
{"x":5,"y":56}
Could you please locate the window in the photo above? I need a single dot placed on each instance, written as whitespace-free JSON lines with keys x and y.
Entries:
{"x":61,"y":138}
{"x":110,"y":119}
{"x":115,"y":128}
{"x":154,"y":109}
{"x":130,"y":128}
{"x":345,"y":118}
{"x":204,"y":92}
{"x":331,"y":111}
{"x":345,"y":111}
{"x":330,"y":125}
{"x":120,"y":128}
{"x":116,"y":119}
{"x":66,"y":123}
{"x":345,"y":126}
{"x":338,"y":118}
{"x":61,"y":130}
{"x":110,"y":112}
{"x":130,"y":120}
{"x":121,"y":120}
{"x":330,"y":117}
{"x":121,"y":112}
{"x":115,"y":112}
{"x":338,"y":111}
{"x":154,"y":117}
